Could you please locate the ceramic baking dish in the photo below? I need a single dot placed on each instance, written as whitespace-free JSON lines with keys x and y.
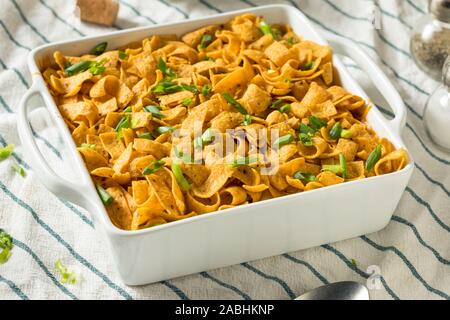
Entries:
{"x":245,"y":233}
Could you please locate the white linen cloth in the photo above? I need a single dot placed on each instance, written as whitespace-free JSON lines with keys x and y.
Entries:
{"x":412,"y":252}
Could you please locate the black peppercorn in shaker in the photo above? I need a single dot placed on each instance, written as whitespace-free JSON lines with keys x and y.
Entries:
{"x":430,"y":40}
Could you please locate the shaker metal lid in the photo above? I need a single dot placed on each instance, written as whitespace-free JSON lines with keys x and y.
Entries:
{"x":440,"y":9}
{"x":446,"y":72}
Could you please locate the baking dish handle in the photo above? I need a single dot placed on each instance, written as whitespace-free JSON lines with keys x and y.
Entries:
{"x":71,"y":191}
{"x":380,"y":80}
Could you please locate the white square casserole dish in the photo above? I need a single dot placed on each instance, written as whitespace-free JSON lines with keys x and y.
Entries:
{"x":241,"y":234}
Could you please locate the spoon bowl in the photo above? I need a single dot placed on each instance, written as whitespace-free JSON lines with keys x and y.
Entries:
{"x":346,"y":290}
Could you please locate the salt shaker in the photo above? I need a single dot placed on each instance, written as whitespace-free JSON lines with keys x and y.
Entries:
{"x":437,"y":111}
{"x":430,"y":40}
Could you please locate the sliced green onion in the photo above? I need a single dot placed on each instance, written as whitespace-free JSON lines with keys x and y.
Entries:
{"x":165,"y":129}
{"x":78,"y":67}
{"x":124,"y":122}
{"x":198,"y":143}
{"x":287,"y":80}
{"x":88,"y":145}
{"x":206,"y":89}
{"x":179,"y":176}
{"x":208,"y":136}
{"x":5,"y":152}
{"x":346,"y":134}
{"x":234,"y":103}
{"x":281,"y":141}
{"x":291,"y":40}
{"x":97,"y":67}
{"x":165,"y":86}
{"x":307,"y":130}
{"x":155,"y":111}
{"x":107,"y":199}
{"x":276,"y":104}
{"x":305,"y":176}
{"x":206,"y":39}
{"x":308,"y":66}
{"x":374,"y":157}
{"x":146,"y":135}
{"x":66,"y":275}
{"x":343,"y":164}
{"x":247,"y":120}
{"x":153,"y":167}
{"x":267,"y":29}
{"x":181,"y":156}
{"x":245,"y":161}
{"x":305,"y":139}
{"x":340,"y":169}
{"x":334,"y":168}
{"x":67,"y":64}
{"x":19,"y":169}
{"x":316,"y":123}
{"x":99,"y":49}
{"x":127,"y":110}
{"x":122,"y":55}
{"x":161,"y":65}
{"x":6,"y":244}
{"x":286,"y":108}
{"x":336,"y":130}
{"x":187,"y":102}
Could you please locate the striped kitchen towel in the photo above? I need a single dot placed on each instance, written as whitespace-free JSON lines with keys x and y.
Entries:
{"x":411,"y":255}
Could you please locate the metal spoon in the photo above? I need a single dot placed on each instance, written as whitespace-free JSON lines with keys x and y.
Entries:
{"x":347,"y":290}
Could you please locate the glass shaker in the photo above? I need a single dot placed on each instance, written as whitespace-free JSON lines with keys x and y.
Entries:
{"x":437,"y":111}
{"x":430,"y":40}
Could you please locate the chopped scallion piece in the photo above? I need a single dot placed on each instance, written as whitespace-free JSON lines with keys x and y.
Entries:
{"x":267,"y":29}
{"x":305,"y":139}
{"x":127,"y":110}
{"x":335,"y":131}
{"x":122,"y":55}
{"x":206,"y":90}
{"x":316,"y":123}
{"x":165,"y":87}
{"x":308,"y":66}
{"x":340,"y":169}
{"x":5,"y":152}
{"x":281,"y":141}
{"x":245,"y":161}
{"x":187,"y":102}
{"x":374,"y":157}
{"x":165,"y":129}
{"x":146,"y":135}
{"x":343,"y":164}
{"x":208,"y":136}
{"x":88,"y":145}
{"x":247,"y":120}
{"x":153,"y":167}
{"x":78,"y":67}
{"x":155,"y":111}
{"x":124,"y":122}
{"x":65,"y":274}
{"x":161,"y":65}
{"x":206,"y":39}
{"x":276,"y":104}
{"x":234,"y":103}
{"x":19,"y":169}
{"x":6,"y":244}
{"x":99,"y":49}
{"x":305,"y":176}
{"x":307,"y":130}
{"x":286,"y":108}
{"x":179,"y":176}
{"x":107,"y":199}
{"x":346,"y":134}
